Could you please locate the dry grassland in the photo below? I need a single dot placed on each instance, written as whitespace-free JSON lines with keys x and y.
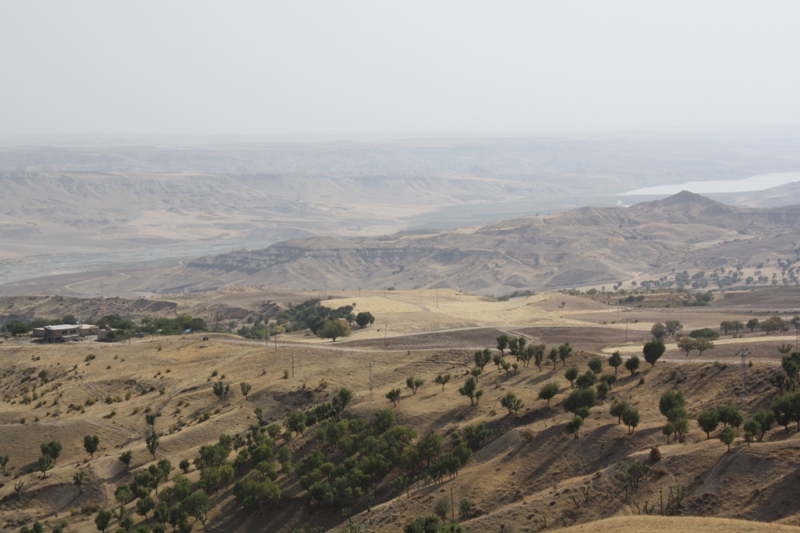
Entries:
{"x":529,"y":472}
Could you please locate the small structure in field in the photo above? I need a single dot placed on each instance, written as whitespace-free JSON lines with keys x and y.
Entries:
{"x":67,"y":332}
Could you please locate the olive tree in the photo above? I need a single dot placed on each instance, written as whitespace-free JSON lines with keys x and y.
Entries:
{"x":91,"y":443}
{"x":708,"y":421}
{"x":726,"y":436}
{"x":653,"y":351}
{"x":414,"y":383}
{"x":511,"y":402}
{"x":393,"y":395}
{"x":632,"y":364}
{"x":548,"y":391}
{"x":615,"y":361}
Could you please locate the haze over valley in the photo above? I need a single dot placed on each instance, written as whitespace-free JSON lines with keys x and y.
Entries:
{"x":399,"y":267}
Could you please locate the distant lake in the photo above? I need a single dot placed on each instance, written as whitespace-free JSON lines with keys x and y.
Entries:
{"x":756,"y":183}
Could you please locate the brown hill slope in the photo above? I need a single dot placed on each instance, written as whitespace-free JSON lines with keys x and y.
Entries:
{"x":586,"y":246}
{"x":528,"y":470}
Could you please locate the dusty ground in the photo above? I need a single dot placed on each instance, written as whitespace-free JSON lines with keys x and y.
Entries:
{"x":516,"y":481}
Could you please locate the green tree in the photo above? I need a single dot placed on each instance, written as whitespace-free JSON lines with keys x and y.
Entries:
{"x":245,"y":388}
{"x":786,"y":408}
{"x":144,"y":506}
{"x":653,"y":351}
{"x":687,"y":344}
{"x":151,"y":441}
{"x":708,"y":421}
{"x":122,"y":494}
{"x":426,"y":524}
{"x":51,"y":449}
{"x":702,"y":344}
{"x":393,"y":395}
{"x":615,"y":361}
{"x":585,"y":380}
{"x":221,"y":390}
{"x":44,"y":464}
{"x":571,"y":375}
{"x":511,"y":402}
{"x":632,"y":364}
{"x":476,"y":436}
{"x":752,"y":324}
{"x":564,"y":351}
{"x":296,"y":422}
{"x":482,"y":358}
{"x":197,"y":506}
{"x":443,"y":507}
{"x":772,"y":325}
{"x":502,"y":343}
{"x":537,"y":352}
{"x":574,"y":425}
{"x":596,"y":365}
{"x":364,"y":319}
{"x":442,"y":379}
{"x":3,"y":462}
{"x":125,"y":458}
{"x":704,"y":333}
{"x":617,"y":408}
{"x":548,"y":391}
{"x":102,"y":520}
{"x":253,"y":495}
{"x":726,"y":436}
{"x":673,"y":326}
{"x":631,"y":419}
{"x":470,"y":389}
{"x":414,"y":383}
{"x":91,"y":443}
{"x":333,"y":329}
{"x":751,"y":430}
{"x":77,"y":480}
{"x":671,"y":402}
{"x":766,"y":420}
{"x":16,"y":328}
{"x":731,"y":416}
{"x":553,"y":356}
{"x":586,"y":397}
{"x":659,"y":331}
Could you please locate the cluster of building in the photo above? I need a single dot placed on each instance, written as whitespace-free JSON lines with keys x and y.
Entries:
{"x":69,"y":332}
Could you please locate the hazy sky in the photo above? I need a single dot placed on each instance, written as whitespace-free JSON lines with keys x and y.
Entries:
{"x":395,"y":68}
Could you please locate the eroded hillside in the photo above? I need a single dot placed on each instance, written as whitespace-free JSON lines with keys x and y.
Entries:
{"x":526,"y":471}
{"x":582,"y":247}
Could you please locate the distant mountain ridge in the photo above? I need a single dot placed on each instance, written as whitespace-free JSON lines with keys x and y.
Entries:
{"x":581,"y":247}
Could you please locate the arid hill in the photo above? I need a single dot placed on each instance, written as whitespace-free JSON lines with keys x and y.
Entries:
{"x":582,"y":247}
{"x":527,"y":475}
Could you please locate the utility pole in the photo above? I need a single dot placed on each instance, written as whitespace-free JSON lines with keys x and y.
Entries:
{"x":292,"y":366}
{"x":58,"y":402}
{"x":452,"y":505}
{"x":744,"y":352}
{"x":626,"y":330}
{"x":371,"y":393}
{"x":384,"y":337}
